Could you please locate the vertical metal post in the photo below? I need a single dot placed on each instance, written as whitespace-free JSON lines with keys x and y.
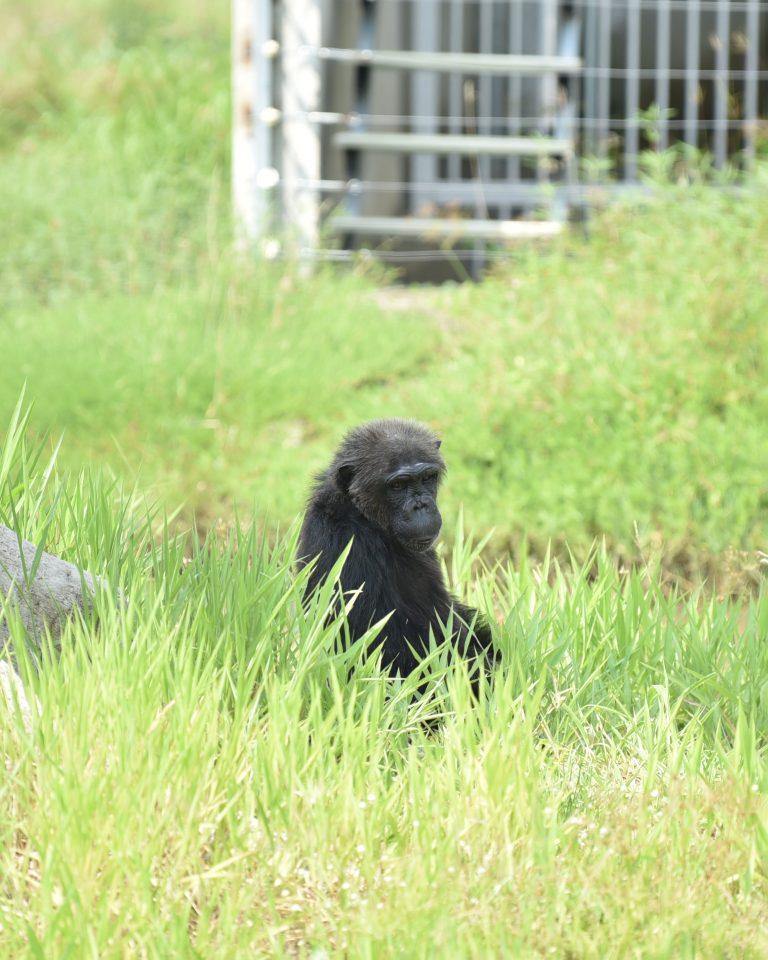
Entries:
{"x":751,"y":65}
{"x":591,"y":79}
{"x":693,"y":32}
{"x":500,"y":28}
{"x":604,"y":81}
{"x":455,"y":99}
{"x":515,"y":94}
{"x":253,"y":174}
{"x":484,"y":104}
{"x":548,"y":82}
{"x":662,"y":71}
{"x":632,"y":103}
{"x":301,"y":37}
{"x":365,"y":41}
{"x":721,"y":83}
{"x":425,"y":99}
{"x":568,"y":45}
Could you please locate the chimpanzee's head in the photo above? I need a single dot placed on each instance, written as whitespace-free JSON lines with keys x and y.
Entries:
{"x":391,"y":471}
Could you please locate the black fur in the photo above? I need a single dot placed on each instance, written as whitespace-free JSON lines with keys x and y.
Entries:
{"x":380,"y":491}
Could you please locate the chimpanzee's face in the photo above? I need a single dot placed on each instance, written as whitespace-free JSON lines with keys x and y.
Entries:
{"x":391,"y":470}
{"x":409,"y":496}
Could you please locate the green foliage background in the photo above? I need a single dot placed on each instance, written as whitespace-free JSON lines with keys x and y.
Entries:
{"x":613,"y":387}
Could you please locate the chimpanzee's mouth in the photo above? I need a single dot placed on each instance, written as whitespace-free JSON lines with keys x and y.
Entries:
{"x":419,"y":546}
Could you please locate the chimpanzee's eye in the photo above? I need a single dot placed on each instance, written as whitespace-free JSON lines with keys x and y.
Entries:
{"x":397,"y":485}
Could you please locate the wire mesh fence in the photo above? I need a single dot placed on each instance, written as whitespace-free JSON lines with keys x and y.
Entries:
{"x":488,"y":110}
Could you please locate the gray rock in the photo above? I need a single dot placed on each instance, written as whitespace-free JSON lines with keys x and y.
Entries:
{"x":56,"y":590}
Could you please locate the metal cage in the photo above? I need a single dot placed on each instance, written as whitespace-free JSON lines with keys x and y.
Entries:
{"x":450,"y":122}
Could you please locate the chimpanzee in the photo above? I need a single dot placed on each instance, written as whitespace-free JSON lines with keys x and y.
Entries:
{"x":380,"y":492}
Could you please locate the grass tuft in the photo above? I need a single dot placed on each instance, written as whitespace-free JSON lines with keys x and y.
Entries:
{"x":206,"y":772}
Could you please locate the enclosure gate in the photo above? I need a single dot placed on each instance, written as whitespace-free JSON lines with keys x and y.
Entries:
{"x":491,"y":102}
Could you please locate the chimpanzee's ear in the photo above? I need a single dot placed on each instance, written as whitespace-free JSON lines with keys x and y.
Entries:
{"x":344,"y":476}
{"x":438,"y":444}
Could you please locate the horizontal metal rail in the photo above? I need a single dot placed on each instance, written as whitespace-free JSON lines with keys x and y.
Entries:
{"x":494,"y":193}
{"x":710,"y":5}
{"x":353,"y":120}
{"x":440,"y":143}
{"x":454,"y":229}
{"x":407,"y":257}
{"x":487,"y":63}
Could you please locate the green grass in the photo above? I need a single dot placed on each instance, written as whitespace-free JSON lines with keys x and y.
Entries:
{"x":202,"y":776}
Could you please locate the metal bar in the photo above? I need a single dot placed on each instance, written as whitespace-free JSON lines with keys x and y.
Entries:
{"x":453,"y":228}
{"x":388,"y":119}
{"x":442,"y":62}
{"x":693,"y":32}
{"x":548,"y":81}
{"x":483,"y":105}
{"x":735,"y":5}
{"x":592,"y":72}
{"x":362,"y":111}
{"x":438,"y":143}
{"x":499,"y":85}
{"x":301,"y":138}
{"x":590,"y":79}
{"x":408,"y":257}
{"x":604,"y":84}
{"x":750,"y":82}
{"x":672,"y":74}
{"x":576,"y":93}
{"x":424,"y":94}
{"x":515,"y":104}
{"x":527,"y":194}
{"x":251,"y":97}
{"x":518,"y":194}
{"x":566,"y":118}
{"x":524,"y":194}
{"x":662,"y":71}
{"x":632,"y":91}
{"x":721,"y":84}
{"x":548,"y":25}
{"x":455,"y":106}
